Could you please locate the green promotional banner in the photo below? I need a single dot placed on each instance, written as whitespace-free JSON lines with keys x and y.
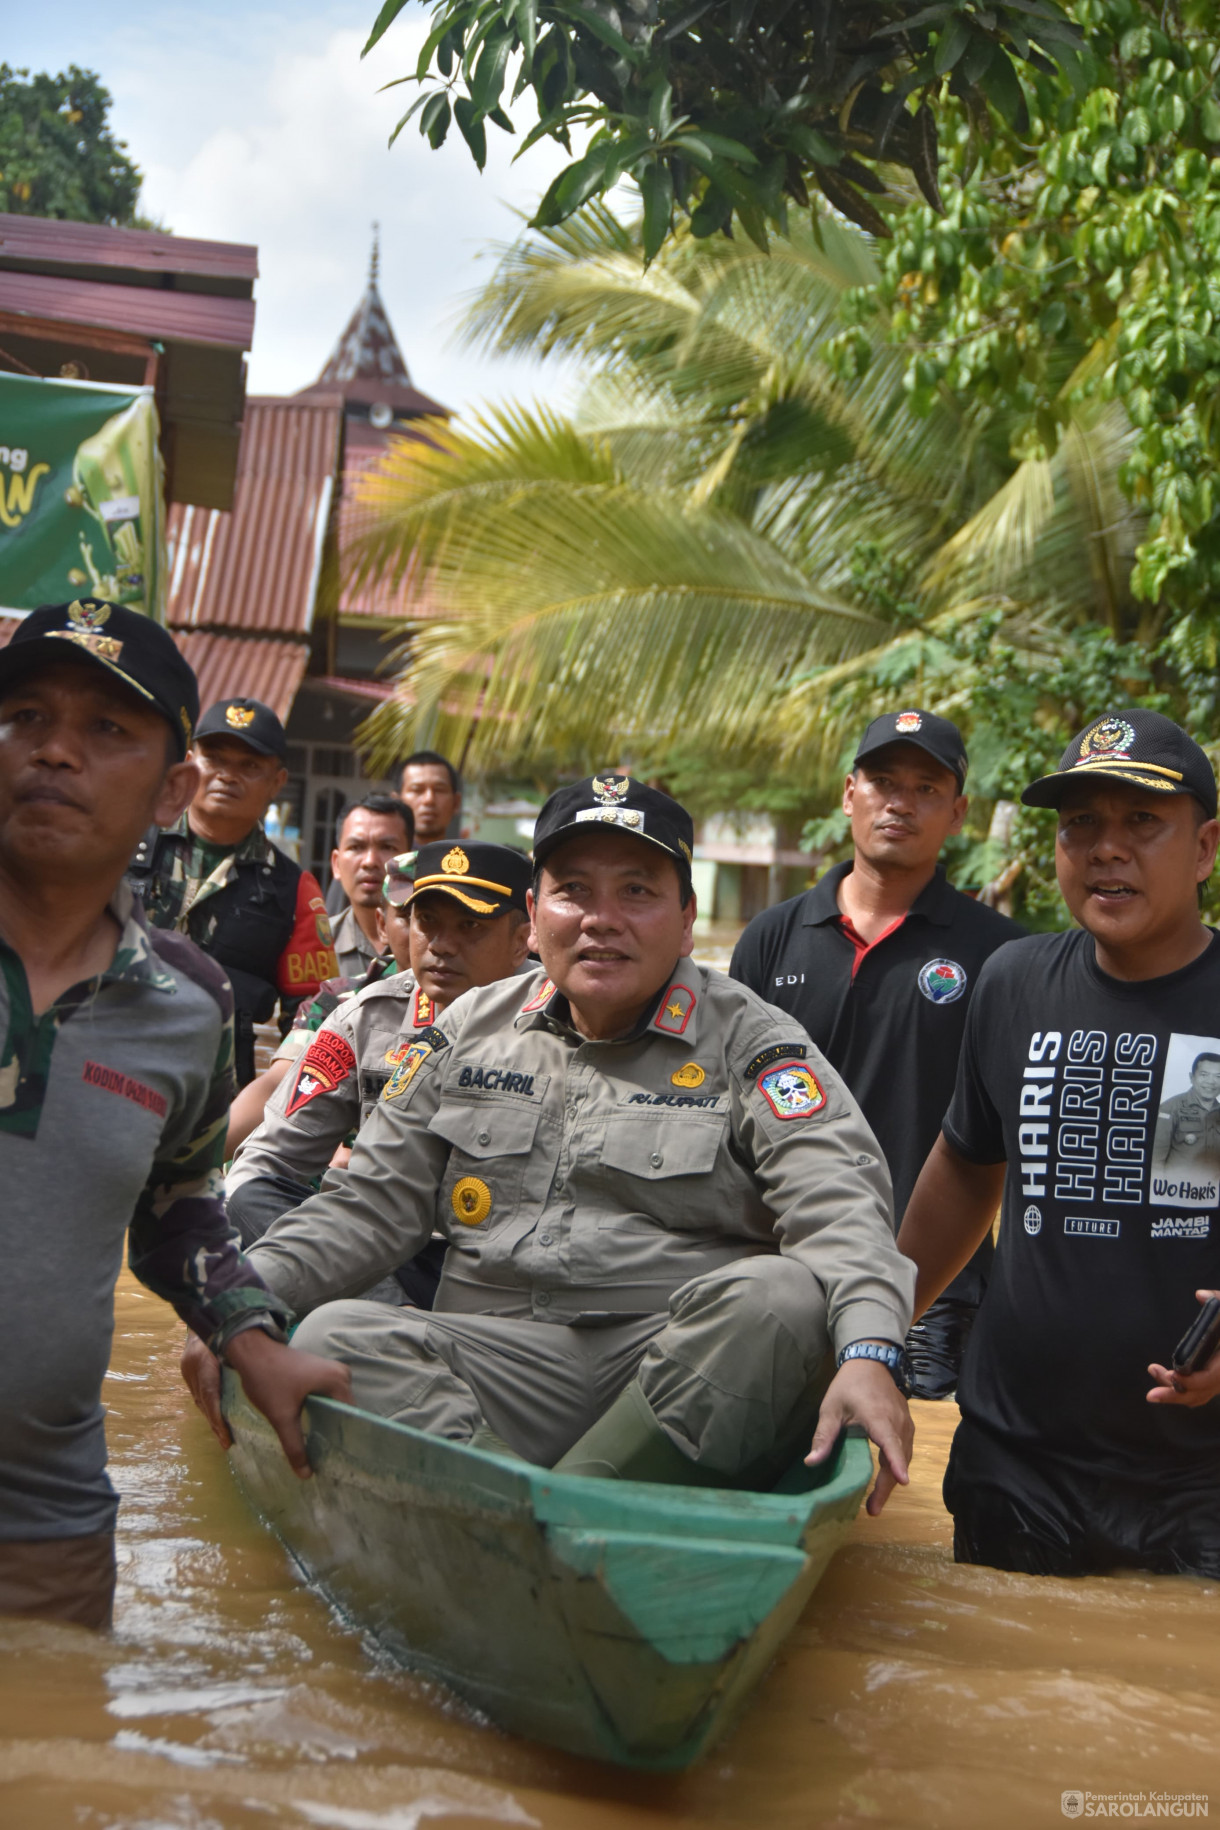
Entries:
{"x":81,"y":496}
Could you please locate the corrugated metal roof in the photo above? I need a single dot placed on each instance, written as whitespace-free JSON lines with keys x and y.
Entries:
{"x":49,"y":243}
{"x":142,"y":311}
{"x":232,"y":666}
{"x":382,"y":599}
{"x":256,"y":567}
{"x":229,"y":666}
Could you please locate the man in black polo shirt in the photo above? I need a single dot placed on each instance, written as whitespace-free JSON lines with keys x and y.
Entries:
{"x":1079,"y":1449}
{"x":878,"y":963}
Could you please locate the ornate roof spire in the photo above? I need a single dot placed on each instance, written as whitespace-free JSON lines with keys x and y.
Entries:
{"x":368,"y":349}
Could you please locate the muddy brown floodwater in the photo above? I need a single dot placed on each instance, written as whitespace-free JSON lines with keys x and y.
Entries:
{"x":913,"y":1693}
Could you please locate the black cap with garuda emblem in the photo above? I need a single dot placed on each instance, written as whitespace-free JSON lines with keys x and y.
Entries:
{"x":618,"y":803}
{"x":1137,"y":746}
{"x":129,"y":645}
{"x":488,"y":880}
{"x":250,"y":721}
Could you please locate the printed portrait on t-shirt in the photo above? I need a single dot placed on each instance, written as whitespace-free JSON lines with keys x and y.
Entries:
{"x":1186,"y":1148}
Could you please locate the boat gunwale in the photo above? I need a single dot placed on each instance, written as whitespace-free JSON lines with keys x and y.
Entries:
{"x":581,"y":1501}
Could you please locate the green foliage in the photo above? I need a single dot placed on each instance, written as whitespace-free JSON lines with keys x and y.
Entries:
{"x":728,"y":110}
{"x":1099,"y":228}
{"x":58,"y":156}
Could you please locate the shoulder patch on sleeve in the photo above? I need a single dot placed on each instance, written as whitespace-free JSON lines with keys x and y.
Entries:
{"x":325,"y":1065}
{"x":435,"y":1039}
{"x":792,"y":1090}
{"x":778,"y":1051}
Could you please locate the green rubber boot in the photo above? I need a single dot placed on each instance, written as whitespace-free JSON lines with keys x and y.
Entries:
{"x":628,"y":1444}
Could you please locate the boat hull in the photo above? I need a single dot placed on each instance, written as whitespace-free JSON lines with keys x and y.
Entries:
{"x":622,"y":1621}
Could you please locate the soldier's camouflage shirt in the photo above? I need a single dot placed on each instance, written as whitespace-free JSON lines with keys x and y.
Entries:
{"x":113,"y":1110}
{"x":192,"y":872}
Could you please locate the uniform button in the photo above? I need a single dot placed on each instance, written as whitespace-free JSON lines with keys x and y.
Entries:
{"x":484,"y":1137}
{"x":545,"y":1239}
{"x":864,"y":1161}
{"x":542,"y":1299}
{"x":656,"y":1159}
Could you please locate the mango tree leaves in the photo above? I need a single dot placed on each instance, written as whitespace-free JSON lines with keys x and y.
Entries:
{"x":1088,"y":220}
{"x":732,"y":109}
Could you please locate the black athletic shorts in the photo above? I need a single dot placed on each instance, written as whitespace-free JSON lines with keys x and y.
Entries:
{"x":1017,"y":1511}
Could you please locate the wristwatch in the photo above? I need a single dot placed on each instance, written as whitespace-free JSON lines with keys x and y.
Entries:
{"x":894,"y":1360}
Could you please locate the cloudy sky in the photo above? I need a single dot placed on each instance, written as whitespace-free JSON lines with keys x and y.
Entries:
{"x":258,"y":123}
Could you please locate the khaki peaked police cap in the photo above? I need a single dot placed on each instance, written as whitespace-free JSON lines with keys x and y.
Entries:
{"x":1137,"y":746}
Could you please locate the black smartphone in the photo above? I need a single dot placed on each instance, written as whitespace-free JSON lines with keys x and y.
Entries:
{"x":1201,"y":1339}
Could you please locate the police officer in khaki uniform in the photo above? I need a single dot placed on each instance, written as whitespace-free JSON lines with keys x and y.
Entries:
{"x":355,"y":1050}
{"x":665,"y":1210}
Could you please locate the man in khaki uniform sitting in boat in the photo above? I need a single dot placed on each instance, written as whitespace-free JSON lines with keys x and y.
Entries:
{"x":665,"y":1210}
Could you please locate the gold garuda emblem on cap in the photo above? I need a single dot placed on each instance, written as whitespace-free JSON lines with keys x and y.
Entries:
{"x":239,"y":717}
{"x":1111,"y":737}
{"x":85,"y":619}
{"x":609,"y":790}
{"x":84,"y":614}
{"x":455,"y":863}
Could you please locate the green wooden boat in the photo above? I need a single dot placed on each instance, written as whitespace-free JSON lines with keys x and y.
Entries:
{"x":624,"y":1621}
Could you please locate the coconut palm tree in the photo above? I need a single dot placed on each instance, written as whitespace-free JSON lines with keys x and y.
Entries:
{"x":693,"y":555}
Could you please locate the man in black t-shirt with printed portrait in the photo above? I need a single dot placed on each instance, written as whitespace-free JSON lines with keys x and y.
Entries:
{"x":1084,"y":1051}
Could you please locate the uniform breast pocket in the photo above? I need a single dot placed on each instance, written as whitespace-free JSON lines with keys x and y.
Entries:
{"x":660,"y":1162}
{"x":491,"y":1142}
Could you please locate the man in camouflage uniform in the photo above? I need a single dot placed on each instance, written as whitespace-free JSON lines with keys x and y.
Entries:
{"x":115,"y":1083}
{"x":215,"y":875}
{"x":666,"y":1214}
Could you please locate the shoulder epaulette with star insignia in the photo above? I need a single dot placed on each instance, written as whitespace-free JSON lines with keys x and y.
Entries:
{"x":675,"y":1010}
{"x":422,"y":1010}
{"x":542,"y":996}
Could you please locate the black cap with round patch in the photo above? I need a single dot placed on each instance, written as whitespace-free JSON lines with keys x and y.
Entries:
{"x":940,"y":738}
{"x":1137,"y":746}
{"x":611,"y":802}
{"x":250,"y":721}
{"x":488,"y":880}
{"x":127,"y":644}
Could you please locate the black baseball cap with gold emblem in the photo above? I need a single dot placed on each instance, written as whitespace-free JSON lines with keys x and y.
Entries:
{"x":488,"y":880}
{"x":250,"y":721}
{"x":129,"y":645}
{"x":1137,"y":746}
{"x":621,"y":803}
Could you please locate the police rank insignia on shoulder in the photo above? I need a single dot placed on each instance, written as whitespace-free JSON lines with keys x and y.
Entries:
{"x":792,"y":1090}
{"x":791,"y":1051}
{"x":543,"y":995}
{"x":675,"y":1012}
{"x":431,"y":1042}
